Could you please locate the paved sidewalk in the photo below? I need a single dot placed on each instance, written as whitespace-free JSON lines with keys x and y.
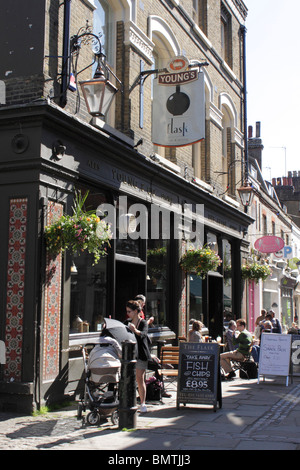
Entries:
{"x":264,"y":416}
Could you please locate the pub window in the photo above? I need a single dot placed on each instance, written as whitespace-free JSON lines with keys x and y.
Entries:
{"x":131,"y":243}
{"x":227,"y":278}
{"x":196,"y":299}
{"x":88,"y":299}
{"x":157,"y":280}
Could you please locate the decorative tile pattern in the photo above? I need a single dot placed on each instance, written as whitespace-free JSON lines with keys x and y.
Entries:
{"x":15,"y":288}
{"x":51,"y":352}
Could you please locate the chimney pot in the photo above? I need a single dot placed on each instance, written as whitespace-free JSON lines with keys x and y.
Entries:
{"x":257,"y":129}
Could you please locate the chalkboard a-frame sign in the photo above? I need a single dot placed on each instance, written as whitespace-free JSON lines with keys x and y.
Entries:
{"x":199,"y":380}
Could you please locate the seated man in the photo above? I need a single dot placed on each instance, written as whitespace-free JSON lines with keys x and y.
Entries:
{"x":230,"y":333}
{"x":244,"y":342}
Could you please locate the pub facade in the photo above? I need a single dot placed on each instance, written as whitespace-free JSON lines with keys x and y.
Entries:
{"x":52,"y":148}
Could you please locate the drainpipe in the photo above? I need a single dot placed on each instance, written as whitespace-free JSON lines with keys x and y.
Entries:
{"x":244,"y":31}
{"x":65,"y":74}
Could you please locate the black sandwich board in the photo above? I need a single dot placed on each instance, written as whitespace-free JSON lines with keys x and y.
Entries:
{"x":199,"y":378}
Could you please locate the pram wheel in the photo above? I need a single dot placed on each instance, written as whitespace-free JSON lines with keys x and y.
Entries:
{"x":115,"y":417}
{"x":93,"y":418}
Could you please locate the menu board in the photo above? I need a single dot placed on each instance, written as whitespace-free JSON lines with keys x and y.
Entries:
{"x":296,"y":355}
{"x":199,"y":379}
{"x":275,"y":354}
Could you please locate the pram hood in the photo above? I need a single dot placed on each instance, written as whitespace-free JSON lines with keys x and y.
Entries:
{"x":104,"y":360}
{"x":105,"y":354}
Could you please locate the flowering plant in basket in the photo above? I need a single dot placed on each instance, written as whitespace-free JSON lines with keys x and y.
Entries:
{"x":78,"y":232}
{"x":256,"y":271}
{"x":200,"y":261}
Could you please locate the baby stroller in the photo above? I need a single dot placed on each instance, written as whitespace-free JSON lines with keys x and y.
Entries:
{"x":102,"y":373}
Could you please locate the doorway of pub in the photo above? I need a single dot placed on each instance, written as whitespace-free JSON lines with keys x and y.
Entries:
{"x":130,"y":281}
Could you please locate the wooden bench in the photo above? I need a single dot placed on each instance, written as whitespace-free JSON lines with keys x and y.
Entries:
{"x":169,"y":355}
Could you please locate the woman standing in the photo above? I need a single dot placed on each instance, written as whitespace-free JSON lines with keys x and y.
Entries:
{"x":140,"y":328}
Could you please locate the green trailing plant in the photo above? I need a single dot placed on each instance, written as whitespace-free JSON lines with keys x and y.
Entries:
{"x":200,"y":261}
{"x":255,"y":272}
{"x":81,"y":231}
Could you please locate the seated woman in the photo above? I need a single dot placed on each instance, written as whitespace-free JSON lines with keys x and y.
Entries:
{"x":195,"y":333}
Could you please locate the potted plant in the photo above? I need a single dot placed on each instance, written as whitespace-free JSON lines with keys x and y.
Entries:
{"x":78,"y":232}
{"x":200,"y":261}
{"x":255,"y":272}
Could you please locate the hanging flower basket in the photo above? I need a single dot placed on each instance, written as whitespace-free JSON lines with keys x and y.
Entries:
{"x":81,"y":231}
{"x":200,"y":261}
{"x":255,"y":272}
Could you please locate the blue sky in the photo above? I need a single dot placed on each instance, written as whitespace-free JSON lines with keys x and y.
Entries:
{"x":273,"y":71}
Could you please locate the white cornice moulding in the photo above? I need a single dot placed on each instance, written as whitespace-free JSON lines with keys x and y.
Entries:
{"x":203,"y":184}
{"x":135,"y":37}
{"x":90,"y":3}
{"x":202,"y":36}
{"x":167,"y":163}
{"x":229,"y":70}
{"x":238,"y":137}
{"x":215,"y":115}
{"x":231,"y":201}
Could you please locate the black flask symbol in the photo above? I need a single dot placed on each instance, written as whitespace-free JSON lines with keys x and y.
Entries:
{"x":178,"y":103}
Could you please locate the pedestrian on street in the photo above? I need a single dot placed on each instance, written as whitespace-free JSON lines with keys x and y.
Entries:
{"x":276,"y":326}
{"x":139,"y":327}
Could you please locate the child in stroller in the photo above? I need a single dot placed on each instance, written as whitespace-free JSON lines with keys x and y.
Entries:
{"x":102,"y":370}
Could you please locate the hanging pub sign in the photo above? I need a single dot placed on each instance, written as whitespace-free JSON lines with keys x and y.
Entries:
{"x":178,"y":110}
{"x":269,"y":244}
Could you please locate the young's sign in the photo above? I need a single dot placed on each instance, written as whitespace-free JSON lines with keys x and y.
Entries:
{"x":178,"y":110}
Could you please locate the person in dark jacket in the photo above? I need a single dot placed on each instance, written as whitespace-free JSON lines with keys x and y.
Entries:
{"x":139,"y":327}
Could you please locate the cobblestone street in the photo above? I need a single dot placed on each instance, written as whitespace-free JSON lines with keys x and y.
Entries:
{"x":264,"y":416}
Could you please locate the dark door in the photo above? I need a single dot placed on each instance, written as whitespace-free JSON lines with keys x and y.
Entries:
{"x":130,"y":281}
{"x":215,"y":306}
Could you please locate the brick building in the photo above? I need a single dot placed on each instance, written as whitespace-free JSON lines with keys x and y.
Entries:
{"x":272,"y":218}
{"x":51,"y":146}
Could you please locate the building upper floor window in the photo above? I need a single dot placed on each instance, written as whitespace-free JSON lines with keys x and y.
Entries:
{"x":226,"y":35}
{"x":200,"y":14}
{"x":104,"y":26}
{"x":264,"y":225}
